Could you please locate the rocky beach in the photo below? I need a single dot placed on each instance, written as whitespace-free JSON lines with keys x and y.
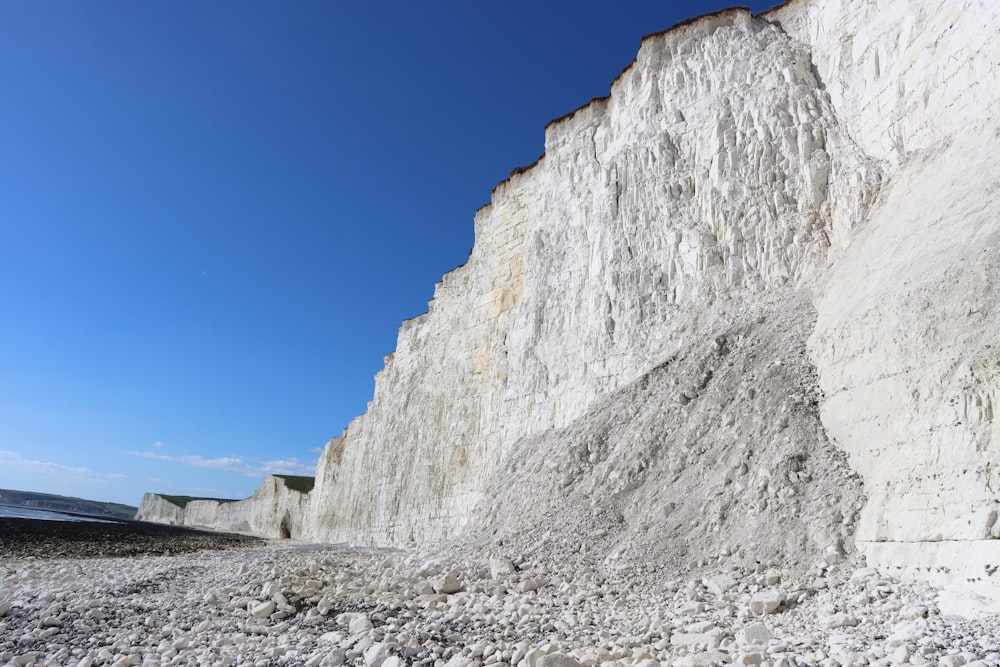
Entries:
{"x":31,"y":538}
{"x":286,"y":603}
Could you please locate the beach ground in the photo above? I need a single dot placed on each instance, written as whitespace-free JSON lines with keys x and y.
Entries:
{"x":21,"y":538}
{"x":240,"y":602}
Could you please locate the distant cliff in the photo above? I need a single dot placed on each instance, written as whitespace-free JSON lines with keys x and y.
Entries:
{"x":66,"y":504}
{"x":746,"y":304}
{"x":276,"y":509}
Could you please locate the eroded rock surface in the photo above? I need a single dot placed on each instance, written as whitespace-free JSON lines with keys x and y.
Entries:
{"x":274,"y":510}
{"x":773,"y":245}
{"x":715,"y":175}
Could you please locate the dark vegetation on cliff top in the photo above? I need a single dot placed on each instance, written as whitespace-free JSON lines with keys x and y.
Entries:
{"x":299,"y":483}
{"x":182,"y":501}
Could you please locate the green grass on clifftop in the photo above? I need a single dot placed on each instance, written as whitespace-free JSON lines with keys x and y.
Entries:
{"x":298,"y":483}
{"x":182,"y":501}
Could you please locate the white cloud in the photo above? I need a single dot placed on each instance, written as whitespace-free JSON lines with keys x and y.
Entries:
{"x":15,"y":461}
{"x":158,"y":443}
{"x":250,"y":467}
{"x":291,"y":466}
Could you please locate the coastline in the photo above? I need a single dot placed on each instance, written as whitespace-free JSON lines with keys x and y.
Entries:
{"x":18,"y":511}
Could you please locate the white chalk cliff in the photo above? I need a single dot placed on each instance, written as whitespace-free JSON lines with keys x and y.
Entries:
{"x":275,"y":510}
{"x":747,"y":303}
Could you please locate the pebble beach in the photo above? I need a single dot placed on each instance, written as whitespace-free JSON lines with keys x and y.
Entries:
{"x":227,"y":600}
{"x":27,"y":538}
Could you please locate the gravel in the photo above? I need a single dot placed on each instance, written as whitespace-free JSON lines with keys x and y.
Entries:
{"x":294,"y":604}
{"x":83,"y":539}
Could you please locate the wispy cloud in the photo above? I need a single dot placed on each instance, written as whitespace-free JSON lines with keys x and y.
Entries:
{"x":16,"y":462}
{"x":242,"y":465}
{"x":158,"y":444}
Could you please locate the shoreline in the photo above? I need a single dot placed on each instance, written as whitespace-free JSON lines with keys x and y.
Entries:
{"x":48,"y":539}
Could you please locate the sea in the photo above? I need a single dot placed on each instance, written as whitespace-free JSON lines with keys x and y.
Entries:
{"x":24,"y":512}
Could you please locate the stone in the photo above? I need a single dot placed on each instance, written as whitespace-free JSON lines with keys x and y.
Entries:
{"x":557,"y":660}
{"x":766,"y":602}
{"x":711,"y":639}
{"x":864,"y":574}
{"x":263,"y":609}
{"x":704,"y":659}
{"x":324,"y":606}
{"x":700,"y":626}
{"x":906,"y":632}
{"x":956,"y":660}
{"x":501,"y":567}
{"x":719,"y":584}
{"x":913,"y":611}
{"x":423,"y":588}
{"x":753,"y":634}
{"x":335,"y":658}
{"x":532,"y":584}
{"x":447,"y":584}
{"x":839,"y":620}
{"x":430,"y":568}
{"x":360,"y":623}
{"x":901,"y":655}
{"x":376,"y":654}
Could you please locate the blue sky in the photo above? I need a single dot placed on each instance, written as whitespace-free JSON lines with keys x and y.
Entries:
{"x":214,"y":216}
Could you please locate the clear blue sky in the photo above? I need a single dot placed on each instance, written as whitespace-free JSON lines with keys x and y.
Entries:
{"x":215,"y":215}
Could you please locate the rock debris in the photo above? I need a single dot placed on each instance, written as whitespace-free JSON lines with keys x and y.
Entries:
{"x":321,"y":605}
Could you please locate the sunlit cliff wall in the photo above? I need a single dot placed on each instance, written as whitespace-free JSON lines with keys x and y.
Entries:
{"x":274,"y":510}
{"x":716,"y":171}
{"x":824,"y":171}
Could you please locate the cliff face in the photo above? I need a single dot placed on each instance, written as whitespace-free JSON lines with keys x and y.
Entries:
{"x":715,"y":173}
{"x":840,"y":147}
{"x":274,"y":510}
{"x":157,"y":509}
{"x":775,"y":243}
{"x":906,"y":342}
